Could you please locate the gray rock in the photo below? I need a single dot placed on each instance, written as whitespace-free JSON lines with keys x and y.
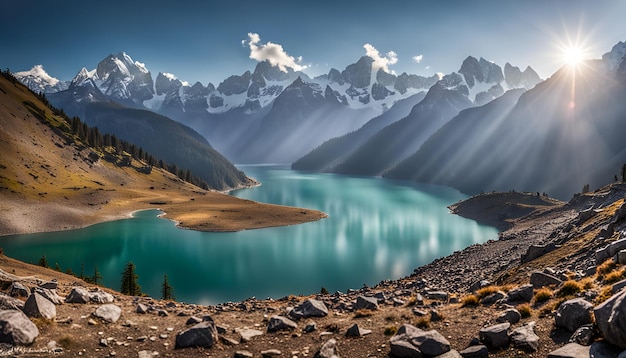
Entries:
{"x":573,"y":314}
{"x":243,"y":354}
{"x":480,"y":284}
{"x":9,"y":303}
{"x":496,"y":336}
{"x":37,"y":306}
{"x":328,"y":350}
{"x":540,"y":279}
{"x":201,"y":335}
{"x":618,"y":286}
{"x":411,"y":341}
{"x":78,"y":295}
{"x":621,"y":257}
{"x":51,"y":295}
{"x":18,"y":290}
{"x":583,"y":335}
{"x":247,"y":334}
{"x":493,"y":298}
{"x":524,"y":338}
{"x":310,"y":327}
{"x":100,"y":296}
{"x":108,"y":312}
{"x":535,"y":251}
{"x":570,"y":350}
{"x":16,"y":328}
{"x":611,"y":319}
{"x":271,"y":353}
{"x":368,"y":303}
{"x":228,"y":341}
{"x":142,"y":309}
{"x":356,"y":331}
{"x":50,"y":285}
{"x":309,"y":308}
{"x":434,"y":315}
{"x":511,"y":315}
{"x":450,"y":354}
{"x":478,"y":351}
{"x":437,"y":295}
{"x":279,"y":323}
{"x":521,"y":294}
{"x":193,"y":320}
{"x":602,"y":349}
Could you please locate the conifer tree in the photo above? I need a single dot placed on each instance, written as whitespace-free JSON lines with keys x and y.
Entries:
{"x":130,"y":286}
{"x":167,"y":293}
{"x":43,"y":261}
{"x":57,"y":267}
{"x":97,"y":277}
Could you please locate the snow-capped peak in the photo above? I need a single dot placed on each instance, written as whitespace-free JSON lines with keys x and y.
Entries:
{"x":615,"y":57}
{"x":38,"y":80}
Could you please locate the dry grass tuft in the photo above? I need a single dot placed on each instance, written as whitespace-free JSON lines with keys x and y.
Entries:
{"x":525,"y":310}
{"x":423,"y":322}
{"x":604,"y":295}
{"x":363,"y":313}
{"x":569,"y":288}
{"x":66,"y":342}
{"x":615,"y":276}
{"x":486,"y":291}
{"x":470,"y":301}
{"x":605,"y":267}
{"x":390,"y":331}
{"x":542,"y":295}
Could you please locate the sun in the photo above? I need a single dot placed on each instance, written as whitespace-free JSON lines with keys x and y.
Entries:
{"x":573,"y":55}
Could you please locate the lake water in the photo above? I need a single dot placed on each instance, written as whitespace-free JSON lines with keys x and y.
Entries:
{"x":377,"y":229}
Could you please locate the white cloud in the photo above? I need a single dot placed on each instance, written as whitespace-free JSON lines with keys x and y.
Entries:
{"x":273,"y":53}
{"x":428,"y":67}
{"x":383,"y":62}
{"x":418,"y":58}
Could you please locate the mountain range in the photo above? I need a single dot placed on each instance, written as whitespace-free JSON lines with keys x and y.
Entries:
{"x":482,"y":128}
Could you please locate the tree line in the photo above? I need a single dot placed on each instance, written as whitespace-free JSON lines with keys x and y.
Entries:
{"x":92,"y":137}
{"x":129,"y":282}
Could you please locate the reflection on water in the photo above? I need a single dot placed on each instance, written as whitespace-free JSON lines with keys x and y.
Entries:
{"x":376,"y":230}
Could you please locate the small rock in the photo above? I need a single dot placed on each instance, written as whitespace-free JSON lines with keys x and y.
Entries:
{"x":100,"y":296}
{"x":493,"y":298}
{"x":570,"y":350}
{"x":309,"y":308}
{"x":573,"y":313}
{"x":91,"y":322}
{"x":540,"y":279}
{"x":477,"y":351}
{"x":583,"y":335}
{"x":141,"y":308}
{"x":201,"y":335}
{"x":142,"y":338}
{"x":78,"y":295}
{"x":108,"y":312}
{"x":50,"y":285}
{"x":18,"y":290}
{"x":247,"y":334}
{"x":368,"y":303}
{"x":435,"y":316}
{"x":356,"y":331}
{"x":228,"y":341}
{"x":16,"y":328}
{"x":279,"y":323}
{"x":163,"y":336}
{"x":524,"y":338}
{"x":437,"y":295}
{"x":328,"y":349}
{"x":243,"y":354}
{"x":162,"y":313}
{"x":193,"y":320}
{"x":521,"y":294}
{"x":479,"y":284}
{"x":310,"y":327}
{"x":270,"y":353}
{"x":104,"y":342}
{"x":511,"y":315}
{"x":495,"y":336}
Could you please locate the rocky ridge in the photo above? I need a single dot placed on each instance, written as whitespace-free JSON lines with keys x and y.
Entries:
{"x":550,"y":286}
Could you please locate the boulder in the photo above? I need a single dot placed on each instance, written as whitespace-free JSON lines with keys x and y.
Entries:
{"x":535,"y":251}
{"x":16,"y":328}
{"x":78,"y":295}
{"x":511,"y":315}
{"x":108,"y":312}
{"x":279,"y":323}
{"x":50,"y":294}
{"x":243,"y":354}
{"x":411,"y":341}
{"x":18,"y":290}
{"x":368,"y":303}
{"x":524,"y":338}
{"x":437,"y":295}
{"x":521,"y":294}
{"x":583,"y":335}
{"x":496,"y":336}
{"x":142,"y":309}
{"x":618,"y":286}
{"x":541,"y":279}
{"x":50,"y":285}
{"x":573,"y":313}
{"x":37,"y":306}
{"x":621,"y":257}
{"x":479,"y":284}
{"x":570,"y":350}
{"x":493,"y":298}
{"x":201,"y":335}
{"x":247,"y":334}
{"x":309,"y":308}
{"x":611,"y":319}
{"x":356,"y":331}
{"x":328,"y":350}
{"x":478,"y":351}
{"x":602,"y":349}
{"x":450,"y":354}
{"x":100,"y":296}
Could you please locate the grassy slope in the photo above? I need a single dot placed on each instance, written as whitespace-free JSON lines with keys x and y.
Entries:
{"x":48,"y":183}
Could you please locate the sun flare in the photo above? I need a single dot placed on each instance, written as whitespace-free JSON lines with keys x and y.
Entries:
{"x":573,"y":56}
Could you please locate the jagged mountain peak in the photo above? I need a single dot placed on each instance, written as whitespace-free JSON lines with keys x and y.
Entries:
{"x":615,"y":57}
{"x":38,"y":80}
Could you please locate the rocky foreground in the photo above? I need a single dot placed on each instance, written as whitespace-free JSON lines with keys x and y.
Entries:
{"x":552,"y":285}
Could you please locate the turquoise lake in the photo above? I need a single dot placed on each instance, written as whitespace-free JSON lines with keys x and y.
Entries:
{"x":376,"y":230}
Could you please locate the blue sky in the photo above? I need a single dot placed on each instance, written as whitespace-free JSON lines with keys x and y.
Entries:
{"x":202,"y":40}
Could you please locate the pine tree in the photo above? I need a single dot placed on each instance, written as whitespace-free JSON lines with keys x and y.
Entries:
{"x":130,"y":286}
{"x":57,"y":267}
{"x":43,"y":261}
{"x":82,"y":271}
{"x":167,"y":293}
{"x":97,"y":277}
